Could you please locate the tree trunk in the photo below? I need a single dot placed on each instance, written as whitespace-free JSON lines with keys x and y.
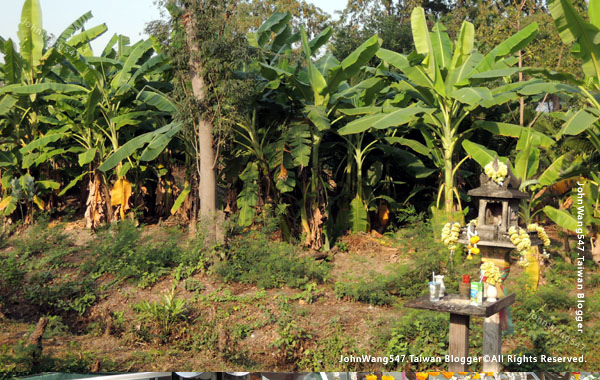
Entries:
{"x":203,"y":133}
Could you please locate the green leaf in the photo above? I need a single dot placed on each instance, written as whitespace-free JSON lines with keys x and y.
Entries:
{"x":71,"y":29}
{"x":181,"y":198}
{"x":298,"y":137}
{"x":527,"y":163}
{"x":472,"y":96}
{"x":42,"y":142}
{"x":479,"y":153}
{"x":564,"y":219}
{"x":124,"y":74}
{"x":318,"y":116}
{"x":6,"y":104}
{"x":273,"y":25}
{"x":441,"y":44}
{"x":464,"y":45}
{"x":320,"y":39}
{"x":413,"y":144}
{"x":83,"y":39}
{"x":13,"y":64}
{"x":382,"y":121}
{"x":248,"y":198}
{"x":47,"y":184}
{"x":160,"y":142}
{"x":577,"y":123}
{"x":125,"y":151}
{"x":573,"y":28}
{"x":87,"y":156}
{"x":421,"y":38}
{"x":31,"y":34}
{"x":553,"y":172}
{"x":41,"y":87}
{"x":359,"y":221}
{"x":514,"y":130}
{"x":157,"y":99}
{"x":72,"y":183}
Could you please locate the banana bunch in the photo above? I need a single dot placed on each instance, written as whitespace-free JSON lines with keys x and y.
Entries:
{"x":450,"y":234}
{"x":491,"y":273}
{"x":499,"y":175}
{"x":543,"y":237}
{"x":520,"y":238}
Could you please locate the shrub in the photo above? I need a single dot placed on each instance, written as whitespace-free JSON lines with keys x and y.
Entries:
{"x":121,"y":250}
{"x":253,"y":258}
{"x":422,"y":334}
{"x":163,"y":315}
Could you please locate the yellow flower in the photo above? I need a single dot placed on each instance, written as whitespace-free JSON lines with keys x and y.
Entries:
{"x":434,"y":373}
{"x":447,"y":375}
{"x":422,"y":375}
{"x":371,"y":377}
{"x":475,"y":251}
{"x":387,"y":377}
{"x":474,"y":239}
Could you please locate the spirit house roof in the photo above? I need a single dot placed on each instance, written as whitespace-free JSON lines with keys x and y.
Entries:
{"x":490,"y":189}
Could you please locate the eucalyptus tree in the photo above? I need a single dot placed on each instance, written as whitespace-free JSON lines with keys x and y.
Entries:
{"x":448,"y":82}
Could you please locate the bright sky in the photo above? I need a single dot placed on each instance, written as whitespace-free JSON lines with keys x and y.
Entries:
{"x":127,"y":17}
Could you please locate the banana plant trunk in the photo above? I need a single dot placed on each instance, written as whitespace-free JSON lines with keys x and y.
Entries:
{"x":208,"y":184}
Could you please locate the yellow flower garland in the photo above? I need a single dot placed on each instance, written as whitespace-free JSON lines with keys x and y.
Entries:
{"x":499,"y":175}
{"x":450,"y":234}
{"x":491,"y":273}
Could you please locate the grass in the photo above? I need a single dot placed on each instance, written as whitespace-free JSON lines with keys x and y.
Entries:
{"x":252,"y":258}
{"x":45,"y":273}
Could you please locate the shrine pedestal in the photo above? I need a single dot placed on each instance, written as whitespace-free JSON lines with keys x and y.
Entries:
{"x":461,"y":312}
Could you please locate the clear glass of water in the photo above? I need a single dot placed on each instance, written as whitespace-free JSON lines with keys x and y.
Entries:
{"x":434,"y":291}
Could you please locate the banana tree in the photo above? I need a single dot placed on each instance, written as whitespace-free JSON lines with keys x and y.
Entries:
{"x":585,"y":122}
{"x":110,"y":119}
{"x":448,"y":81}
{"x":28,"y":74}
{"x":315,"y":90}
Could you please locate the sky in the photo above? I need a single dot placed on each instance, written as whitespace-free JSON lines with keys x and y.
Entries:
{"x":127,"y":17}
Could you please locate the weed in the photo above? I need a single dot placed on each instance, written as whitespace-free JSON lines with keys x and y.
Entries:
{"x":164,"y":315}
{"x":309,"y":293}
{"x":292,"y":341}
{"x":420,"y":333}
{"x":253,"y":258}
{"x":121,"y":250}
{"x":342,"y":245}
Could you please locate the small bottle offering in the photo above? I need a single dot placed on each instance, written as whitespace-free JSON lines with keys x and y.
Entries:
{"x":464,"y":287}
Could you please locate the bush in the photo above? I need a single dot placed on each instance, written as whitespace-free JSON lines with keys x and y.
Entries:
{"x":404,"y":280}
{"x":121,"y":250}
{"x":254,"y":259}
{"x":420,"y":333}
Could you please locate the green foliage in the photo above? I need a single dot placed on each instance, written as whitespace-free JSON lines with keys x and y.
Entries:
{"x":292,"y":341}
{"x":122,"y":251}
{"x":422,"y":334}
{"x":309,"y":293}
{"x":254,"y":258}
{"x":164,"y":315}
